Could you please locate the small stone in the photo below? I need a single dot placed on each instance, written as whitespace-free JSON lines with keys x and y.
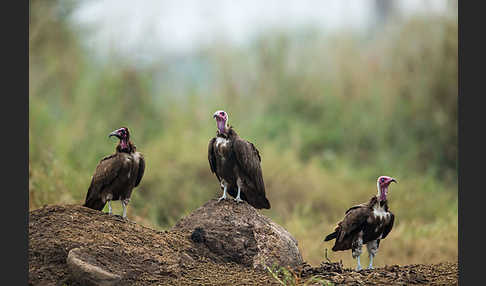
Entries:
{"x":86,"y":273}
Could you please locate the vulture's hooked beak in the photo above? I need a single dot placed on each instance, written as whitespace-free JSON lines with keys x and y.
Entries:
{"x":114,"y":133}
{"x":393,"y":180}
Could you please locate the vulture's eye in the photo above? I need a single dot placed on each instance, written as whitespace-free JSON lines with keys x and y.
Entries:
{"x":382,"y":180}
{"x":221,"y":113}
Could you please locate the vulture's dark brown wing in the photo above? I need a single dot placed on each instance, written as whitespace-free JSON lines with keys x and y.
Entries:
{"x":212,"y":157}
{"x":354,"y":219}
{"x":248,"y":159}
{"x":106,"y":172}
{"x":141,"y":169}
{"x":356,"y":207}
{"x":339,"y":229}
{"x":388,"y":226}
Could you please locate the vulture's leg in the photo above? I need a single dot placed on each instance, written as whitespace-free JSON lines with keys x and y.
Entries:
{"x":372,"y":250}
{"x":238,"y":199}
{"x":358,"y":268}
{"x":124,"y":205}
{"x":109,"y":206}
{"x":357,"y":249}
{"x":370,"y":266}
{"x":223,"y":197}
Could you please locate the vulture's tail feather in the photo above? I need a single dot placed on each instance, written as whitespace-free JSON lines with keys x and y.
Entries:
{"x":331,"y":236}
{"x":260,"y":202}
{"x":264,"y":203}
{"x":94,"y":203}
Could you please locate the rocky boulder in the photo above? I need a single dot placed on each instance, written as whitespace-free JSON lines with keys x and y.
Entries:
{"x":227,"y":231}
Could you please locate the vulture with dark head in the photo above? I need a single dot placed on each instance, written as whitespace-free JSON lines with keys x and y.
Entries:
{"x":236,"y":163}
{"x":367,"y":223}
{"x":116,"y":175}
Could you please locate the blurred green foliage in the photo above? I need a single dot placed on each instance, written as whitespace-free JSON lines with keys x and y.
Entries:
{"x":328,"y":112}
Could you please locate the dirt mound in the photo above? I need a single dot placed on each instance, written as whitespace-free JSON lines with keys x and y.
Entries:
{"x":141,"y":256}
{"x":126,"y":253}
{"x":236,"y":232}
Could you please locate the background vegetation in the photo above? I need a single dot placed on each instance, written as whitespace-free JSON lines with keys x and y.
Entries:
{"x":329,"y":112}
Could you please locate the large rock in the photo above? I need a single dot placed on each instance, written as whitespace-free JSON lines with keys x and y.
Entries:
{"x":227,"y":231}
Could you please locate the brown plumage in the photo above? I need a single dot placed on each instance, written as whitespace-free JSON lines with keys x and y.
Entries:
{"x":366,"y":223}
{"x":116,"y":175}
{"x":236,"y":163}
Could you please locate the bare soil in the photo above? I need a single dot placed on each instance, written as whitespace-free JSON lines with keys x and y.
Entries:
{"x":417,"y":274}
{"x":144,"y":256}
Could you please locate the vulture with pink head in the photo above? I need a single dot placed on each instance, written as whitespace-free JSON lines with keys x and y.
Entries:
{"x":236,"y":163}
{"x":367,"y":223}
{"x":116,"y":175}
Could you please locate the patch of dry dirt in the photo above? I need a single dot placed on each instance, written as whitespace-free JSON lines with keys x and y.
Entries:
{"x":421,"y":274}
{"x":143,"y":256}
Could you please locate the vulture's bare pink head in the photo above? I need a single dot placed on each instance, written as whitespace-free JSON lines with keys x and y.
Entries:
{"x":383,"y":184}
{"x":221,"y":119}
{"x":121,"y":133}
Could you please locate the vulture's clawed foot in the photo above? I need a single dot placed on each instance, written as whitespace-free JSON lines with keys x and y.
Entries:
{"x":238,"y":200}
{"x":222,"y":198}
{"x":119,"y":217}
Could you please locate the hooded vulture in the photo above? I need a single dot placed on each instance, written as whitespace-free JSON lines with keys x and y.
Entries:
{"x":116,"y":175}
{"x":236,"y":163}
{"x":367,"y":223}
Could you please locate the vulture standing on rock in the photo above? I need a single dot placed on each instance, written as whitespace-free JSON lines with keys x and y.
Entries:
{"x":236,"y":163}
{"x":116,"y":175}
{"x":365,"y":223}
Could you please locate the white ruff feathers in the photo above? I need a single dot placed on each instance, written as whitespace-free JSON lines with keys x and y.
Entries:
{"x":379,"y":212}
{"x":220,"y":140}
